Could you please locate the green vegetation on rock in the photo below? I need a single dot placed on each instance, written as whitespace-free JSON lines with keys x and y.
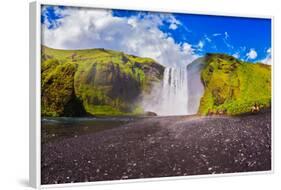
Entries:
{"x":95,"y":82}
{"x":106,"y":82}
{"x":233,"y":86}
{"x":58,"y":95}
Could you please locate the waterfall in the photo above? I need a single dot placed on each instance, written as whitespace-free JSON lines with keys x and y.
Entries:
{"x":179,"y":93}
{"x":174,"y":100}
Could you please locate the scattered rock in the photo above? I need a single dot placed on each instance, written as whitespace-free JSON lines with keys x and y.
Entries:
{"x":149,"y":113}
{"x":189,"y":147}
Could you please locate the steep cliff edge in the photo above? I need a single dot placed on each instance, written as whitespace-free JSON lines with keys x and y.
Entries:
{"x":232,"y":86}
{"x":95,"y":82}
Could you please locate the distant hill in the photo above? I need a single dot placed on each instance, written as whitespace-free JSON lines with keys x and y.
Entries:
{"x":95,"y":82}
{"x":232,"y":86}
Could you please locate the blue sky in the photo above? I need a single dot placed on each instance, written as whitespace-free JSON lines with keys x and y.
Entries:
{"x":220,"y":33}
{"x":194,"y":35}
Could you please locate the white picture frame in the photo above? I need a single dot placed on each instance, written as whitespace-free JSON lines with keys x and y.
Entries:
{"x":35,"y":93}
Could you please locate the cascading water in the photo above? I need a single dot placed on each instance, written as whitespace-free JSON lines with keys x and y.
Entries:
{"x":180,"y":91}
{"x":174,"y":100}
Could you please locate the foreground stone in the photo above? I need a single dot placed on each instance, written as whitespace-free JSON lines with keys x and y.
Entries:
{"x":162,"y":146}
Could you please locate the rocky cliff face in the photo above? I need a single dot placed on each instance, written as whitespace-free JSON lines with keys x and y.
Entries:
{"x":57,"y":90}
{"x":105,"y":82}
{"x":96,"y":82}
{"x":231,"y":86}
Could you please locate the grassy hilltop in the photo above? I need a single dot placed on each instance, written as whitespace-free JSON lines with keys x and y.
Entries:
{"x":106,"y":82}
{"x":95,"y":82}
{"x":233,"y":86}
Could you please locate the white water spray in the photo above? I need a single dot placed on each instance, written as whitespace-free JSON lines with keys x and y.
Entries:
{"x":171,"y":96}
{"x":175,"y":96}
{"x":179,"y":93}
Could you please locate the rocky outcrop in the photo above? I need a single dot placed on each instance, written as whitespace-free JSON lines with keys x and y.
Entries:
{"x":58,"y":96}
{"x":96,"y":81}
{"x":232,"y":86}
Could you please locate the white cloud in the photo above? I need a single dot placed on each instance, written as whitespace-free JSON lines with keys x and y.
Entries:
{"x":236,"y":55}
{"x":226,"y":36}
{"x":252,"y":54}
{"x":186,"y":48}
{"x":207,"y":38}
{"x":174,"y":23}
{"x":225,"y":39}
{"x":200,"y":44}
{"x":173,"y":26}
{"x":52,"y":23}
{"x":267,"y":59}
{"x":217,"y":34}
{"x":138,"y":35}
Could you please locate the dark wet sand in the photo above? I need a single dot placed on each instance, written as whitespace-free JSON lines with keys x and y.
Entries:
{"x":162,"y":146}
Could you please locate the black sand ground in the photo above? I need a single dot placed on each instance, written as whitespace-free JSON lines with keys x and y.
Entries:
{"x":162,"y":146}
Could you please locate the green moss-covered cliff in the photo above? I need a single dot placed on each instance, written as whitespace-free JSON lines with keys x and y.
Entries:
{"x":232,"y":86}
{"x":95,"y":82}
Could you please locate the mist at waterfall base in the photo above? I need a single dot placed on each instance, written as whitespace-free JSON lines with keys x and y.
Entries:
{"x":179,"y":92}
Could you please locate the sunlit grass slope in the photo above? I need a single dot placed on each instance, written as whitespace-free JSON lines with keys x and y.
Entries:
{"x":95,"y":82}
{"x":233,"y":86}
